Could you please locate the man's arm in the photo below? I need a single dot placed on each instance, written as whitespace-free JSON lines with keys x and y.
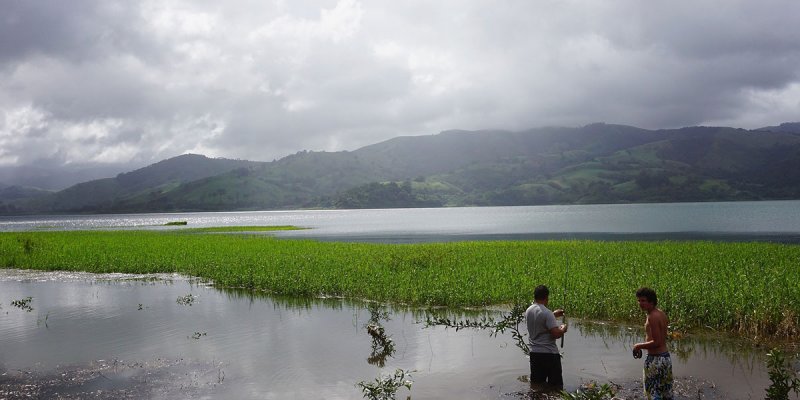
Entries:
{"x":656,"y":331}
{"x":558,"y":331}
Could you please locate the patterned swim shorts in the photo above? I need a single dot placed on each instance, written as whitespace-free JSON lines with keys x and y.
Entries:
{"x":658,"y":377}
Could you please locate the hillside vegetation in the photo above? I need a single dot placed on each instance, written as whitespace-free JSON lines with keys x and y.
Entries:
{"x":598,"y":163}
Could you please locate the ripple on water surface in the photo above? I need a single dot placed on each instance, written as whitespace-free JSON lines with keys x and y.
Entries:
{"x":299,"y":348}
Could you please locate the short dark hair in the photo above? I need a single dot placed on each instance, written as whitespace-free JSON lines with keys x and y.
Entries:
{"x":649,"y":294}
{"x":541,"y":292}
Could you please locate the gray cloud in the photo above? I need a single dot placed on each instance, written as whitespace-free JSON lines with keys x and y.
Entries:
{"x":117,"y":81}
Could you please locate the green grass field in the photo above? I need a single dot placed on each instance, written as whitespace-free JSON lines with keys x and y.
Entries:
{"x":745,"y":288}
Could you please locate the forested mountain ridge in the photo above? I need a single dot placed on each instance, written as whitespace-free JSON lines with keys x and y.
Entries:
{"x":101,"y":195}
{"x":597,"y":163}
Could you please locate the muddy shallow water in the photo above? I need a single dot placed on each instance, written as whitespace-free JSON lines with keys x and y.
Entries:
{"x":167,"y":336}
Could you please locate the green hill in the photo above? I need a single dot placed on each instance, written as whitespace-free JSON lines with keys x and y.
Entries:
{"x":101,"y":195}
{"x":598,"y":163}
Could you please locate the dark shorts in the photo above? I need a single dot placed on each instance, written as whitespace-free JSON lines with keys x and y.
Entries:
{"x":546,"y":368}
{"x":658,"y":377}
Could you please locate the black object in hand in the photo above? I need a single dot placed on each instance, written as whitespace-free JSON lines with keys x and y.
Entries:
{"x":637,"y":353}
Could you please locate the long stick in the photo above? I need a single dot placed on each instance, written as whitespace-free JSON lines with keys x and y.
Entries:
{"x":564,"y":316}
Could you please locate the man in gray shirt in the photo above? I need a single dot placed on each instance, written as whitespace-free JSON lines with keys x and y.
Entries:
{"x":543,"y":330}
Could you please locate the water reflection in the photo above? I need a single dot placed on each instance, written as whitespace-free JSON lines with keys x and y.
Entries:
{"x":684,"y":347}
{"x":285,"y":347}
{"x":762,"y":220}
{"x":382,"y":343}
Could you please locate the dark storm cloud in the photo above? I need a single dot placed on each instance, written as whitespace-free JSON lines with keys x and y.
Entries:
{"x":74,"y":30}
{"x":107,"y":81}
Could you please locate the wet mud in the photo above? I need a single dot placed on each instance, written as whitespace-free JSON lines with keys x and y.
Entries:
{"x":685,"y":388}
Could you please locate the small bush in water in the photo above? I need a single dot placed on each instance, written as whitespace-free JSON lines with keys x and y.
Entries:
{"x":385,"y":387}
{"x":784,"y":379}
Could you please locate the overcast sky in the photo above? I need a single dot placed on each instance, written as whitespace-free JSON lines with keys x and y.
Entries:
{"x":140,"y":81}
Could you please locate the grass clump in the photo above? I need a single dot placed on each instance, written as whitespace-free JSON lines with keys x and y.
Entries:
{"x":233,"y":229}
{"x":747,"y":288}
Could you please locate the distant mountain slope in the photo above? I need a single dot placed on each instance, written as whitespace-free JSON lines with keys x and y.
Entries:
{"x":690,"y":164}
{"x":598,"y":163}
{"x":10,"y":193}
{"x":102,"y":194}
{"x":406,"y":157}
{"x":788,"y":127}
{"x":48,"y":176}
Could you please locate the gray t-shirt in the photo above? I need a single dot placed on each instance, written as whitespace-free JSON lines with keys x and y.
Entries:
{"x":540,"y":320}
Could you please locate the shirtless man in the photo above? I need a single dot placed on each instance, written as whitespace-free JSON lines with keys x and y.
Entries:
{"x":657,"y":365}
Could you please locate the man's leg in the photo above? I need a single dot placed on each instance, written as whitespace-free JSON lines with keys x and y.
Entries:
{"x":658,"y":378}
{"x":554,"y":377}
{"x":538,"y":367}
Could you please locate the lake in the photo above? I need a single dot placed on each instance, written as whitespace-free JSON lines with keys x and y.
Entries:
{"x":765,"y":220}
{"x":139,"y":336}
{"x":144,"y":337}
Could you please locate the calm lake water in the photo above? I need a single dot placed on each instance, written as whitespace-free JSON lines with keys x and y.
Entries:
{"x":226,"y":344}
{"x":117,"y":332}
{"x":765,"y":220}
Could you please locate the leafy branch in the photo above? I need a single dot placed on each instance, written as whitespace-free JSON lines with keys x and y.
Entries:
{"x":784,"y":379}
{"x":385,"y":387}
{"x":509,"y":321}
{"x":382,"y":344}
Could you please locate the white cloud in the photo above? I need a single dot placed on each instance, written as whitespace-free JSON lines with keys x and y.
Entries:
{"x":21,"y":121}
{"x":260,"y":80}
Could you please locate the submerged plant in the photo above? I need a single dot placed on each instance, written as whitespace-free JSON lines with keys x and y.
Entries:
{"x":198,"y":335}
{"x":382,"y":344}
{"x":385,"y":387}
{"x":187,"y":300}
{"x":509,"y":321}
{"x":41,"y":321}
{"x":784,"y":379}
{"x":24,"y":304}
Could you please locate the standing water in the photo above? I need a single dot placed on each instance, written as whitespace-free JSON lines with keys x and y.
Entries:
{"x":167,"y":336}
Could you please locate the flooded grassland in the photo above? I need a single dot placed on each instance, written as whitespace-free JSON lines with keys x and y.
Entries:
{"x":297,"y":325}
{"x":169,"y":337}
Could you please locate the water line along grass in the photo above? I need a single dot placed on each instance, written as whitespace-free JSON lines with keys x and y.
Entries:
{"x":751,"y":289}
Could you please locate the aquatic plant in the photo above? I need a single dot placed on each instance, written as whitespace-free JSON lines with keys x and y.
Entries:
{"x":40,"y":321}
{"x":198,"y":335}
{"x":232,"y":229}
{"x":382,"y":344}
{"x":783,"y":377}
{"x":746,"y":288}
{"x":590,"y":391}
{"x":385,"y":387}
{"x":187,"y":300}
{"x":509,"y":321}
{"x":24,"y":304}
